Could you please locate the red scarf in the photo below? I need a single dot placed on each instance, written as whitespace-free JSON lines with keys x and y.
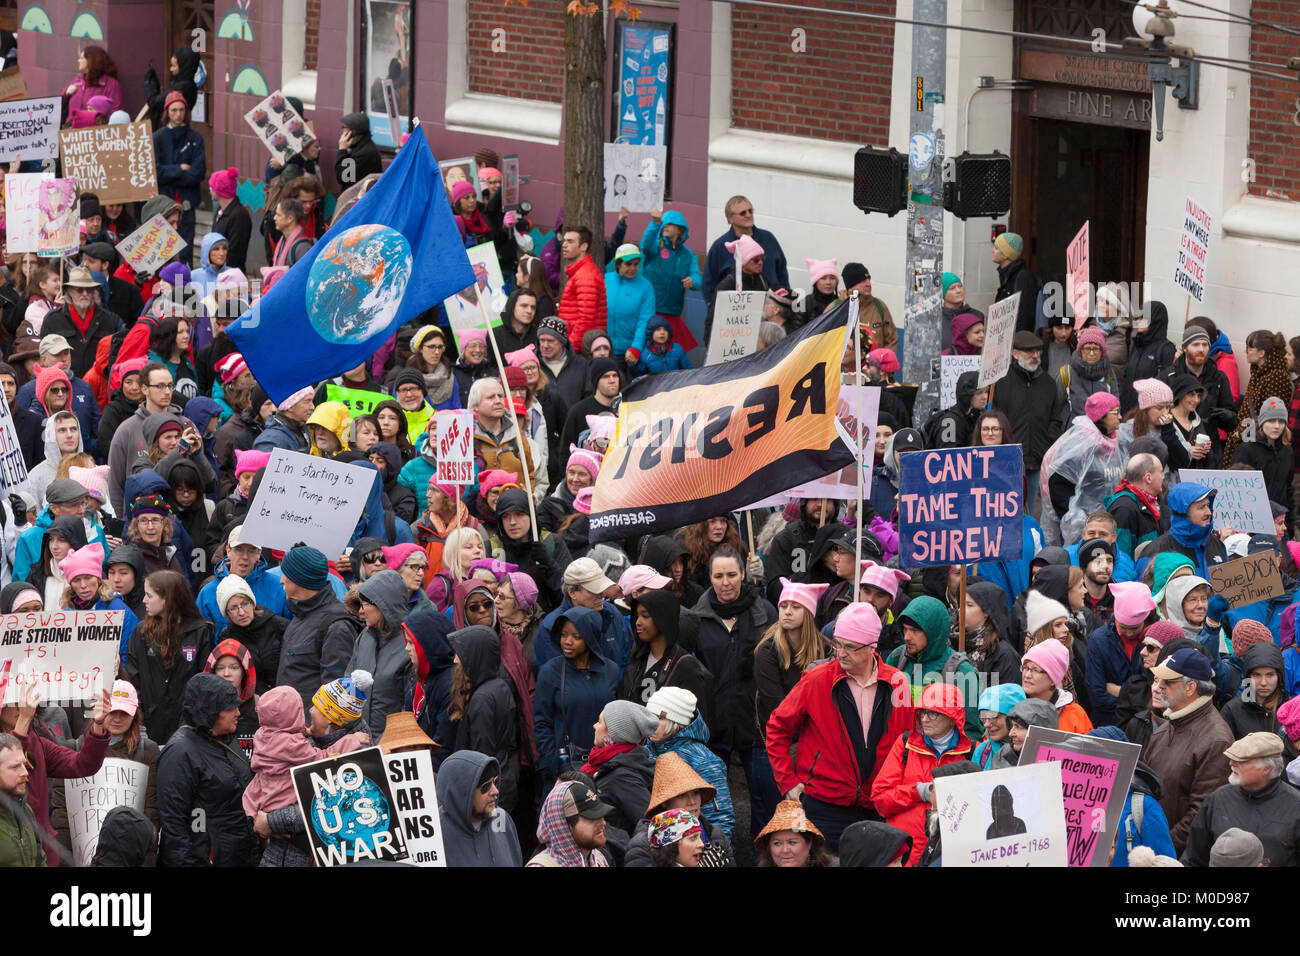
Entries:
{"x":82,"y":324}
{"x":1152,"y":505}
{"x":475,"y":225}
{"x":599,"y":755}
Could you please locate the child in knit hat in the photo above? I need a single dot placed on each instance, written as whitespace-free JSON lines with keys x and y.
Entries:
{"x":336,"y":708}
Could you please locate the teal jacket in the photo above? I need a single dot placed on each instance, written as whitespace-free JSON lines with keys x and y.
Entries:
{"x":629,"y":307}
{"x":28,"y":549}
{"x":665,"y":265}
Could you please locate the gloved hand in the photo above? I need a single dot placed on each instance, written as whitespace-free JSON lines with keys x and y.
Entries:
{"x":509,"y":219}
{"x":1218,"y":607}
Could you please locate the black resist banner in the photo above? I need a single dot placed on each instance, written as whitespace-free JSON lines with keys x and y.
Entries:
{"x":348,"y":805}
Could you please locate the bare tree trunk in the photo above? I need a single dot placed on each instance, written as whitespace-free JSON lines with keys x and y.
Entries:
{"x":584,"y":128}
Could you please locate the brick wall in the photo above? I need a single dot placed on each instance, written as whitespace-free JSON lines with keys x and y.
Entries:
{"x":532,"y":66}
{"x":311,"y":43}
{"x":837,"y":88}
{"x":1274,"y":110}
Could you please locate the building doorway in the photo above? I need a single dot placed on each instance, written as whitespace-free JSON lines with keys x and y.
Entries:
{"x":184,"y":18}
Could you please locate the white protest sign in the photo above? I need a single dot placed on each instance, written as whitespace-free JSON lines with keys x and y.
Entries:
{"x":634,"y":177}
{"x":279,"y":127}
{"x":950,"y":369}
{"x":1193,"y":250}
{"x":22,"y":210}
{"x":463,"y":311}
{"x":1242,"y":500}
{"x":390,"y":109}
{"x":1010,"y":817}
{"x":29,"y":129}
{"x":855,"y":404}
{"x":736,"y":318}
{"x":150,"y":247}
{"x":999,"y":331}
{"x":455,"y":438}
{"x":72,"y":655}
{"x":1076,"y":276}
{"x":119,"y":783}
{"x":412,"y":780}
{"x":13,"y":468}
{"x":315,"y":501}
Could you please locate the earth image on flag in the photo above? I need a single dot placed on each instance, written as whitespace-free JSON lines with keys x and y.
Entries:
{"x":357,"y":282}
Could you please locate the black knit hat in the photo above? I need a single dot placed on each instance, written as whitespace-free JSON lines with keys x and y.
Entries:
{"x":600,"y":367}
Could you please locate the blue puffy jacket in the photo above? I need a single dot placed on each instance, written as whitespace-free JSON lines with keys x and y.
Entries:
{"x":568,"y":701}
{"x":629,"y":307}
{"x":691,"y":744}
{"x":652,"y":362}
{"x":666,"y":265}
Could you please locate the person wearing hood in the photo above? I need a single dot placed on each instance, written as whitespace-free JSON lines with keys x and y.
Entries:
{"x":954,"y":427}
{"x":475,"y":831}
{"x":377,"y":520}
{"x":1029,"y":712}
{"x":191,"y":508}
{"x":58,"y":539}
{"x":1141,"y":821}
{"x":253,"y":626}
{"x":619,"y":764}
{"x":416,"y":474}
{"x":791,"y":553}
{"x":1187,"y":602}
{"x":669,"y":557}
{"x":152,"y":528}
{"x":682,"y":731}
{"x":44,"y":395}
{"x":658,"y":658}
{"x":473,"y":605}
{"x":127,"y":838}
{"x":1150,"y":352}
{"x":967,"y":335}
{"x":483,"y":704}
{"x":988,"y":645}
{"x":181,"y":161}
{"x":433,"y":663}
{"x":661,"y":353}
{"x":995,"y":705}
{"x":1262,"y":693}
{"x":184,"y":66}
{"x":671,"y":268}
{"x":128,"y":439}
{"x":380,"y":648}
{"x":1082,"y":468}
{"x":571,"y":828}
{"x":401,"y":501}
{"x":885,"y":477}
{"x":61,"y":436}
{"x":357,"y":155}
{"x":1032,"y":401}
{"x":544,"y":561}
{"x":123,"y":400}
{"x":630,"y":304}
{"x":214,"y":255}
{"x":201,"y":770}
{"x":87,"y":589}
{"x":1114,"y":651}
{"x":954,"y":304}
{"x":124,"y":570}
{"x":869,"y":843}
{"x":231,"y":662}
{"x":925,"y":656}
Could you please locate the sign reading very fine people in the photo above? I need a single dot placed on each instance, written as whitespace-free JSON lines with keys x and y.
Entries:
{"x":117,"y":783}
{"x":960,"y":505}
{"x":348,"y":804}
{"x":72,"y":655}
{"x":1009,"y":817}
{"x":310,"y":500}
{"x":1242,"y":500}
{"x":1245,"y":580}
{"x":455,"y":438}
{"x":736,"y":319}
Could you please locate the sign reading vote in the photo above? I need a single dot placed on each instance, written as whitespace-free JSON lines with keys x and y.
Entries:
{"x":310,"y":500}
{"x":960,"y":505}
{"x":455,"y":438}
{"x":736,"y":319}
{"x":1242,"y":500}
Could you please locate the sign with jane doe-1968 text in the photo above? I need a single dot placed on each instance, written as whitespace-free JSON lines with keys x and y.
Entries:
{"x":307,"y":500}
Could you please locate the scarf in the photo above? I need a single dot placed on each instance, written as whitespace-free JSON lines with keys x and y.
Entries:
{"x":975,"y":642}
{"x":733,"y":609}
{"x":83,"y":322}
{"x":281,"y":257}
{"x":554,"y":831}
{"x":438,"y":384}
{"x":1095,"y":372}
{"x":1191,"y":536}
{"x":475,"y":224}
{"x":1107,"y":326}
{"x":599,"y":755}
{"x":1152,"y":504}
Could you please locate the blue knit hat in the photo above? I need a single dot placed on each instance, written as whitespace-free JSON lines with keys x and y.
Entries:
{"x":306,"y":567}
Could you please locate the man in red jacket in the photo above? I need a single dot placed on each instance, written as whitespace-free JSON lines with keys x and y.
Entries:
{"x":845,"y":714}
{"x":582,"y":303}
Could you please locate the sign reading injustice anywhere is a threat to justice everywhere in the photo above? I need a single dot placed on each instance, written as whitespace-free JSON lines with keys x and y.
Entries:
{"x":960,"y":505}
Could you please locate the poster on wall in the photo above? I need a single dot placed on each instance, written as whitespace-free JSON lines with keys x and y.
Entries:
{"x":634,"y":177}
{"x":387,"y":54}
{"x":643,"y":97}
{"x":453,"y":171}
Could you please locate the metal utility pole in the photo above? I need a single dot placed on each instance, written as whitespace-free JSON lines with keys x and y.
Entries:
{"x":923,"y":282}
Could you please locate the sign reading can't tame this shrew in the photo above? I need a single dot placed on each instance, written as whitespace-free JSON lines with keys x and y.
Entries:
{"x":960,"y":505}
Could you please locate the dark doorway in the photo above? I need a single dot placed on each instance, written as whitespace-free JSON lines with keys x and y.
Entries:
{"x":191,"y":22}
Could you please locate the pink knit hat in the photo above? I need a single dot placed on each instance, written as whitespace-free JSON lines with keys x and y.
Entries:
{"x":398,"y":553}
{"x":1152,"y":392}
{"x":583,"y":458}
{"x":1162,"y":632}
{"x":231,"y":367}
{"x":1099,"y":405}
{"x":94,"y":480}
{"x":250,"y":460}
{"x":525,"y":589}
{"x":232,"y":279}
{"x":820,"y":268}
{"x":521,"y":357}
{"x":642,"y":576}
{"x":1051,"y":655}
{"x":305,"y":392}
{"x":459,"y":190}
{"x":1245,"y":635}
{"x":1288,"y":715}
{"x":487,"y":171}
{"x":885,"y":358}
{"x":859,"y":624}
{"x":100,"y":104}
{"x":224,"y":182}
{"x":87,"y":560}
{"x":601,"y":426}
{"x":448,"y":490}
{"x":805,"y":595}
{"x":1092,"y":336}
{"x":582,"y":500}
{"x":748,"y":246}
{"x":887,"y":579}
{"x":1133,"y":602}
{"x":472,"y":335}
{"x":495,"y":478}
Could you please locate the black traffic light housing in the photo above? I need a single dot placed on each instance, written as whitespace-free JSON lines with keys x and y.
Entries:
{"x":880,"y":180}
{"x":981,"y":185}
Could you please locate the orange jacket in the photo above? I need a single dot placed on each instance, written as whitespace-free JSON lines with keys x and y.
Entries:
{"x":582,"y":304}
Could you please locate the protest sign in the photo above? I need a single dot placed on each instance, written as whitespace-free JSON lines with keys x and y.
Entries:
{"x":13,"y":467}
{"x":411,"y":776}
{"x":150,"y":247}
{"x":22,"y":213}
{"x":1242,"y":500}
{"x":951,"y":368}
{"x":58,"y":218}
{"x":960,"y":505}
{"x":1009,"y":817}
{"x":999,"y":330}
{"x":509,"y":181}
{"x":71,"y":655}
{"x":1242,"y":581}
{"x":736,"y":318}
{"x":455,"y":438}
{"x":29,"y":128}
{"x":854,"y":404}
{"x":1095,"y":777}
{"x":1193,"y":250}
{"x":279,"y":127}
{"x":114,"y":162}
{"x":634,"y":177}
{"x":313,"y":500}
{"x":359,"y":401}
{"x":347,"y":802}
{"x":395,"y":131}
{"x":1076,"y":276}
{"x":463,"y":309}
{"x":12,"y":85}
{"x":118,"y":783}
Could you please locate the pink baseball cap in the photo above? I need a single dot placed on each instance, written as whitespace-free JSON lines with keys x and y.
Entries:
{"x":124,"y":697}
{"x":642,"y":576}
{"x":859,"y":624}
{"x":805,"y":595}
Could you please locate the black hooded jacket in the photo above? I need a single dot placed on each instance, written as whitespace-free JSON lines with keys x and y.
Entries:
{"x":1150,"y":353}
{"x":1001,"y":665}
{"x":659,"y":552}
{"x":489,"y":724}
{"x":1244,"y":714}
{"x":130,"y":554}
{"x":68,"y":527}
{"x":126,"y":838}
{"x":791,"y":553}
{"x":430,"y":629}
{"x":954,"y":427}
{"x":188,"y":61}
{"x":871,"y":843}
{"x":118,"y":410}
{"x":677,"y":668}
{"x":401,"y":500}
{"x":1034,"y":403}
{"x":263,"y":639}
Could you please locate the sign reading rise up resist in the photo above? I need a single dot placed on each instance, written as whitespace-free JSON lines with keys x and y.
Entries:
{"x":960,"y":505}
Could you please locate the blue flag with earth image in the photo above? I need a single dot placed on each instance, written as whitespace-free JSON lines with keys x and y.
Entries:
{"x":393,"y":255}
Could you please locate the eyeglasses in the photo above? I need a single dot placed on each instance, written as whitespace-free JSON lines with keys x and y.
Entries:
{"x":744,"y":212}
{"x":433,"y":347}
{"x":415,"y":567}
{"x":58,"y":389}
{"x":487,"y":786}
{"x":990,"y":429}
{"x":844,"y":647}
{"x":1032,"y":670}
{"x":930,"y":715}
{"x":478,"y":606}
{"x":149,"y":520}
{"x":166,"y":385}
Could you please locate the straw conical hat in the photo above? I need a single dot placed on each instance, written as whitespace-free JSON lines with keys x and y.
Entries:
{"x":402,"y":730}
{"x":790,"y":816}
{"x":674,"y":777}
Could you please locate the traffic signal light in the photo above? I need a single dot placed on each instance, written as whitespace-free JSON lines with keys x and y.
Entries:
{"x":880,"y":180}
{"x":981,"y":185}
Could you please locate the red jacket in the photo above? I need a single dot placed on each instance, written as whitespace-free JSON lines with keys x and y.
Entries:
{"x":582,"y":304}
{"x":47,"y":759}
{"x":911,"y":761}
{"x":835,"y":763}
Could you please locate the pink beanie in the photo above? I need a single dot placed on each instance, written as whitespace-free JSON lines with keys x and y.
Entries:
{"x":583,"y":458}
{"x":885,"y":358}
{"x":398,"y":553}
{"x":448,"y":490}
{"x":87,"y":560}
{"x":805,"y":595}
{"x":250,"y":460}
{"x":1152,"y":392}
{"x":582,"y":500}
{"x":94,"y":480}
{"x":459,"y":190}
{"x":487,"y":171}
{"x":1099,"y":405}
{"x":1288,"y":716}
{"x":887,"y":579}
{"x":820,"y":268}
{"x":1162,"y":632}
{"x":271,"y":275}
{"x":525,"y":590}
{"x":601,"y":426}
{"x":231,"y":367}
{"x":1092,"y":336}
{"x":100,"y":104}
{"x":303,"y":393}
{"x":859,"y":624}
{"x":232,"y":279}
{"x":224,"y":182}
{"x":1052,"y":656}
{"x":472,"y":335}
{"x":521,"y":357}
{"x":1133,"y":602}
{"x":494,"y":478}
{"x":748,"y":247}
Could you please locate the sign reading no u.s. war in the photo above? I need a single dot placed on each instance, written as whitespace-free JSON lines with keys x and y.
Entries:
{"x":960,"y":505}
{"x":347,"y":803}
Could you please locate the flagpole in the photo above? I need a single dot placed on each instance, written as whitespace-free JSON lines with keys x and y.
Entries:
{"x":857,"y":380}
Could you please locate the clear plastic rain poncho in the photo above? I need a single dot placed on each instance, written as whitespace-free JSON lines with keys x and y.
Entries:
{"x":1090,"y":461}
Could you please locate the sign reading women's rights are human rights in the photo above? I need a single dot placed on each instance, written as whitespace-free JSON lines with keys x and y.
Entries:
{"x":960,"y":505}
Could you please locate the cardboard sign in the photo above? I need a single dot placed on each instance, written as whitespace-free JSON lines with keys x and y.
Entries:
{"x":72,"y":655}
{"x":634,"y":177}
{"x":58,"y":221}
{"x":1193,"y":250}
{"x":13,"y":467}
{"x":1242,"y":581}
{"x":854,"y":404}
{"x":960,"y":505}
{"x":151,"y":246}
{"x":12,"y":85}
{"x":22,"y":212}
{"x":736,"y":318}
{"x":116,"y":163}
{"x":1009,"y":817}
{"x":455,"y":438}
{"x":347,"y":802}
{"x":1242,"y":501}
{"x":951,"y":368}
{"x":999,"y":331}
{"x":412,"y":779}
{"x":313,"y":500}
{"x":1076,"y":276}
{"x":1095,"y":777}
{"x":119,"y":783}
{"x":279,"y":127}
{"x":359,"y":401}
{"x":29,"y":128}
{"x":463,"y":310}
